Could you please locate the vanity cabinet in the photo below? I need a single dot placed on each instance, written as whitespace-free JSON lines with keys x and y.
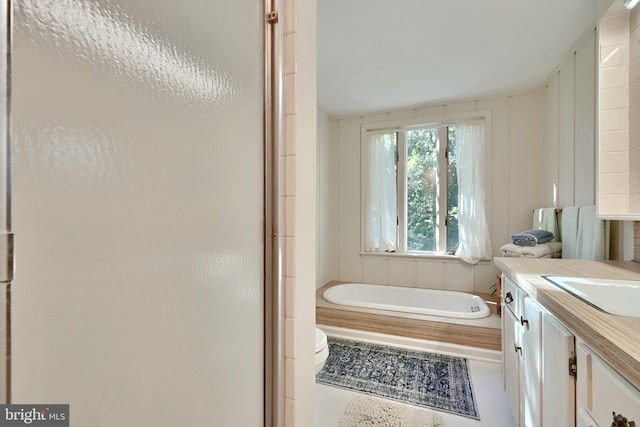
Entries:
{"x":551,"y":376}
{"x":606,"y":346}
{"x":537,"y":349}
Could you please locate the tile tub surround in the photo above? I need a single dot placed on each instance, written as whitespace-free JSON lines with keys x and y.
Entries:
{"x":615,"y":338}
{"x":482,"y":333}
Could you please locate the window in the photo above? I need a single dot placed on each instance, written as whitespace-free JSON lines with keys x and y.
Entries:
{"x":424,"y":189}
{"x":420,"y":214}
{"x":430,"y":205}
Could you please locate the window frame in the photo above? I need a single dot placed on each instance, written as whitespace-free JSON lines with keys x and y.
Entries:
{"x":442,"y":123}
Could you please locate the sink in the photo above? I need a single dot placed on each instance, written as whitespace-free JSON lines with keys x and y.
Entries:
{"x":621,"y":297}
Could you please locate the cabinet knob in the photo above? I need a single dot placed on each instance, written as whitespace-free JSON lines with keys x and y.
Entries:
{"x":508,"y":299}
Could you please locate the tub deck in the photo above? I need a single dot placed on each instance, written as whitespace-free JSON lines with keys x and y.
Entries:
{"x":481,"y":333}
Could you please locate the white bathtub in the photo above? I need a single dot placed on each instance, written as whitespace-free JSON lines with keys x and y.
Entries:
{"x":409,"y":300}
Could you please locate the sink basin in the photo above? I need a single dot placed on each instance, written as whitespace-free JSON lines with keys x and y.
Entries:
{"x":621,"y":297}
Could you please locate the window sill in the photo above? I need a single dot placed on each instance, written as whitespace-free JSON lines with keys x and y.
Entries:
{"x":416,"y":256}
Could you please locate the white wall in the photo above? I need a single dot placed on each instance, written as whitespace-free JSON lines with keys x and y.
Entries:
{"x":513,"y":191}
{"x":328,"y":185}
{"x":300,"y":337}
{"x":570,"y":114}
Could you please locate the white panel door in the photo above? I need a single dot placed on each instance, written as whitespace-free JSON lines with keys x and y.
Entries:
{"x":138,"y":206}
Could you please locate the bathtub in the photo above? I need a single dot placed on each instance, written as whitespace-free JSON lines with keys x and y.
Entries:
{"x":432,"y":302}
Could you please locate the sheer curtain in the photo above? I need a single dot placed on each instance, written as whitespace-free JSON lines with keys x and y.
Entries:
{"x":473,"y":235}
{"x":381,"y":198}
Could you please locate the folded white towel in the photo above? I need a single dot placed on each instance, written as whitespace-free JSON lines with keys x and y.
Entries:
{"x":569,"y":232}
{"x":543,"y":250}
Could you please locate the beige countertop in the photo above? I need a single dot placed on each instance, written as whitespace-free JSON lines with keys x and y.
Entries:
{"x":615,"y":338}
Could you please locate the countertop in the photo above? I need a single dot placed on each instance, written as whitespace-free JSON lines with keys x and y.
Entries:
{"x":615,"y":338}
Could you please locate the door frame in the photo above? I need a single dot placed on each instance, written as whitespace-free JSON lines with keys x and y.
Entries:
{"x":6,"y":236}
{"x":274,"y":287}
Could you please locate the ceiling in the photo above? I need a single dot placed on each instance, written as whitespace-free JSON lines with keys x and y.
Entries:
{"x":376,"y":55}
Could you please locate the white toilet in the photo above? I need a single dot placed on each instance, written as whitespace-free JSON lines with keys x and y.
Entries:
{"x":322,"y":349}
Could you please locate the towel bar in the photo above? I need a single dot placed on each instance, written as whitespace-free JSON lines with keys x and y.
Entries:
{"x":558,"y":210}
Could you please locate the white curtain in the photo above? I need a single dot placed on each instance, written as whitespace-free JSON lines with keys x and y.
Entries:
{"x":381,"y":197}
{"x":473,"y":235}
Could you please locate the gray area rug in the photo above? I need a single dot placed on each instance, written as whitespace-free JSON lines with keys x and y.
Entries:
{"x":419,"y":378}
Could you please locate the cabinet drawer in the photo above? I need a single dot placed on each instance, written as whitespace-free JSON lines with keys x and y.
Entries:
{"x":603,"y":391}
{"x":511,"y":296}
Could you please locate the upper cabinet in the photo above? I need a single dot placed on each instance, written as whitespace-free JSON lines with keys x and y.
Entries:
{"x":618,"y":159}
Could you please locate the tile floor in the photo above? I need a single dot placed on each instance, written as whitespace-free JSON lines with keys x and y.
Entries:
{"x":486,"y":377}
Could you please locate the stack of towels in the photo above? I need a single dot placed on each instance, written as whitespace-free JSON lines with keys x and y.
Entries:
{"x":533,"y":244}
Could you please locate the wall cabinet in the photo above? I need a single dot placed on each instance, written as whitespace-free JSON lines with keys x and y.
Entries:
{"x":551,"y":377}
{"x":618,"y":162}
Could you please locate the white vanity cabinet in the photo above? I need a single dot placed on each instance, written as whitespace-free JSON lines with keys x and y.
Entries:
{"x":536,"y":353}
{"x":602,"y":391}
{"x":589,"y":362}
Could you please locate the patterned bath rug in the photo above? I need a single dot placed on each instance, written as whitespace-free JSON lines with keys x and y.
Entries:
{"x":430,"y":380}
{"x":369,"y":411}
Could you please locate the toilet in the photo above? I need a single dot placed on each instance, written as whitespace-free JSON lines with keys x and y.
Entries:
{"x":322,"y":349}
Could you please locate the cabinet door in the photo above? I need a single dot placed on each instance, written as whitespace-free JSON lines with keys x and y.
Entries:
{"x":511,"y":353}
{"x":531,"y":393}
{"x":558,"y":393}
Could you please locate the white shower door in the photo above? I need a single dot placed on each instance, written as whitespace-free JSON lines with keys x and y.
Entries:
{"x":138,"y":152}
